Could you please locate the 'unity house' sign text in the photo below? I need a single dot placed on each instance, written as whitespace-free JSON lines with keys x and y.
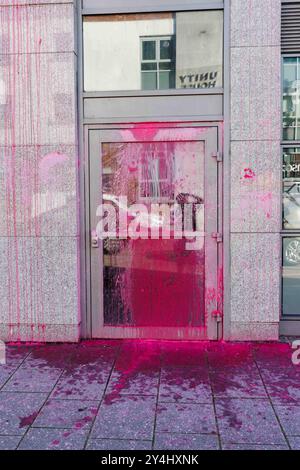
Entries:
{"x":199,"y":79}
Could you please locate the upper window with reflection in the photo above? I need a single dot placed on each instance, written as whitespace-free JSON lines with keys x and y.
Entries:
{"x":153,"y":51}
{"x":291,"y":98}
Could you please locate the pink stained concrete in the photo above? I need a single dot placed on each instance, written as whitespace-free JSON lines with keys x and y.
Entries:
{"x":246,"y":381}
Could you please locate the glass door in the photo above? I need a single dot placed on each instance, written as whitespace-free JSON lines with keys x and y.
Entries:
{"x":153,"y":203}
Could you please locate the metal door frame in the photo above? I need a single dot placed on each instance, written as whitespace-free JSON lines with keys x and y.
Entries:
{"x":204,"y":112}
{"x":92,"y":141}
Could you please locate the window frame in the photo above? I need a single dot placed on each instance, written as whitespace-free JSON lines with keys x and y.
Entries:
{"x":290,"y":323}
{"x":144,"y":6}
{"x":93,"y":115}
{"x":286,"y":233}
{"x":283,"y":57}
{"x":285,"y":236}
{"x":284,"y":179}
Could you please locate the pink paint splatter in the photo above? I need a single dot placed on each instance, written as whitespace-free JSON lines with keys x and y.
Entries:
{"x":27,"y":420}
{"x":249,"y":174}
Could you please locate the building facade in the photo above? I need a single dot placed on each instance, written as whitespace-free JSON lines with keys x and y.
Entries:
{"x":193,"y":105}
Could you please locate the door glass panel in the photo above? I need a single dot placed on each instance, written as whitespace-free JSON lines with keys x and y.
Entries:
{"x":291,"y":188}
{"x":154,"y":276}
{"x":291,"y":276}
{"x":116,"y":47}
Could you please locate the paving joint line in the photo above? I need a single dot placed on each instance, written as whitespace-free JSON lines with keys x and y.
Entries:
{"x":273,"y":408}
{"x":88,"y":437}
{"x":157,"y":402}
{"x":208,"y":365}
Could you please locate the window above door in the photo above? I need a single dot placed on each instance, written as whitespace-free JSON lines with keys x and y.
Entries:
{"x":153,"y":51}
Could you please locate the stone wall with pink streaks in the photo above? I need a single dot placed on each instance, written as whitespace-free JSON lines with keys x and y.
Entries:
{"x":39,"y":282}
{"x":255,"y":170}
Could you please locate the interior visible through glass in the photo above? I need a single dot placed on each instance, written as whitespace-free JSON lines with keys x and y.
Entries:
{"x":154,"y":281}
{"x":291,"y":277}
{"x":291,"y":221}
{"x":291,"y":188}
{"x":153,"y":51}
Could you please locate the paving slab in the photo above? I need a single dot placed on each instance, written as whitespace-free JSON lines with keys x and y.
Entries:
{"x":139,"y":356}
{"x":254,"y":447}
{"x":5,"y":373}
{"x":184,"y":353}
{"x":54,"y":439}
{"x":126,"y":417}
{"x":235,"y":383}
{"x":18,"y":411}
{"x":185,"y":385}
{"x":86,"y":375}
{"x":54,"y":356}
{"x":235,"y":356}
{"x":250,"y":421}
{"x":164,"y":441}
{"x":294,"y":443}
{"x":185,"y":418}
{"x":9,"y":442}
{"x":283,"y":385}
{"x":16,"y":354}
{"x":32,"y":379}
{"x":115,"y":444}
{"x":269,"y":355}
{"x":82,"y":383}
{"x":133,"y":383}
{"x":67,"y":414}
{"x":289,"y":417}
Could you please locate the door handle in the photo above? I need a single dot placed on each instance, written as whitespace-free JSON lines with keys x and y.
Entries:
{"x":94,"y":239}
{"x":217,"y":236}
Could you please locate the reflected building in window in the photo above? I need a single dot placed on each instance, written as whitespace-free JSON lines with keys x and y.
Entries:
{"x":291,"y":98}
{"x":157,"y":51}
